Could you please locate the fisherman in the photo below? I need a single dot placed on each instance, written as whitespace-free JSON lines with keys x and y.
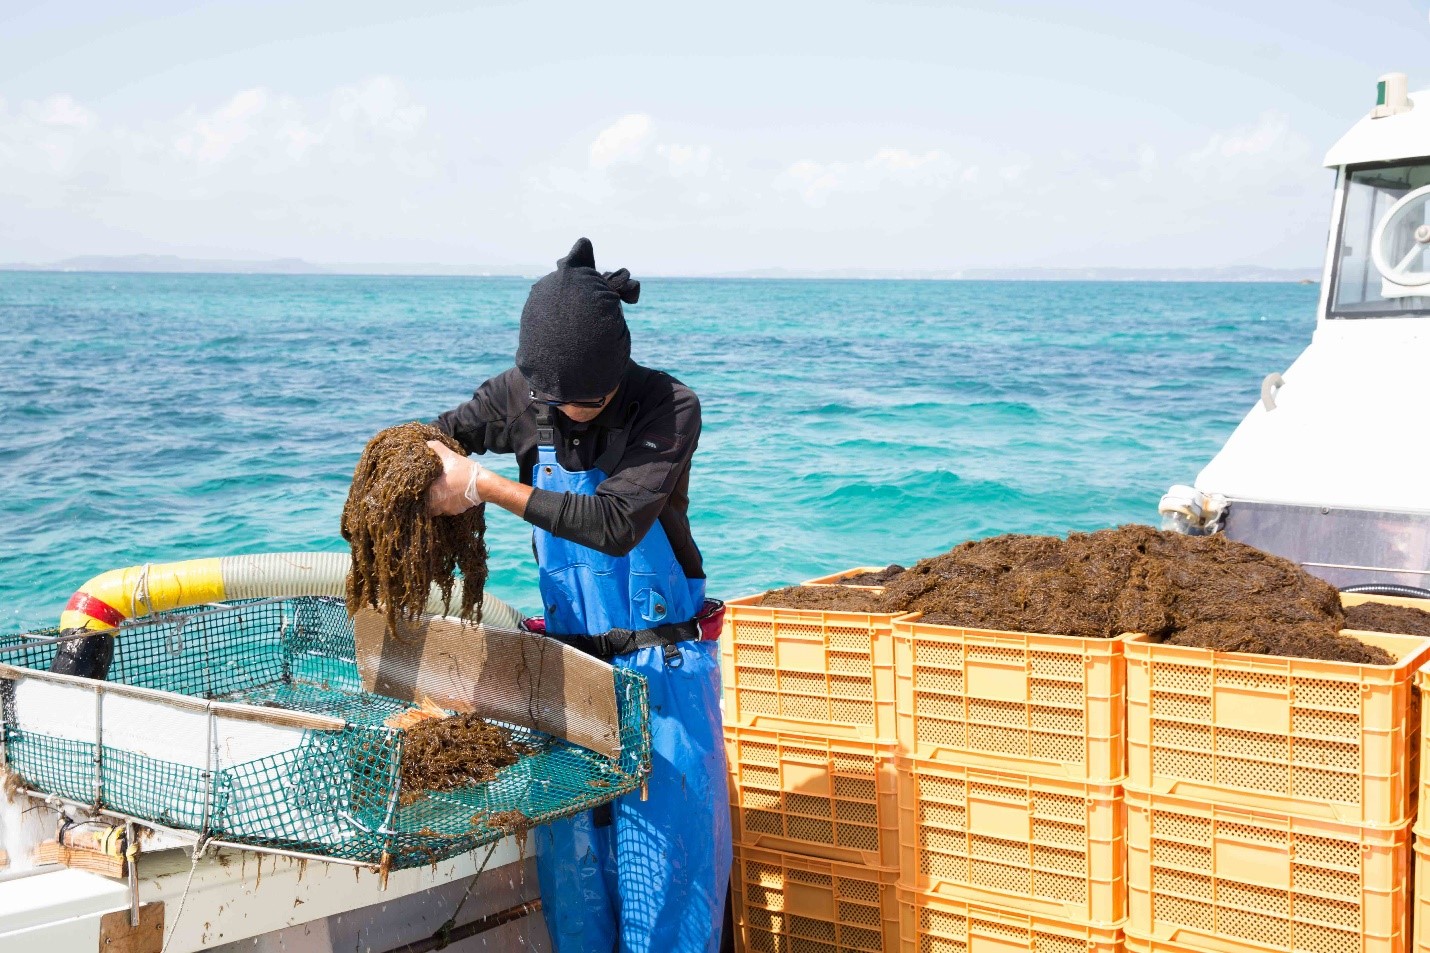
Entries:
{"x":604,"y":447}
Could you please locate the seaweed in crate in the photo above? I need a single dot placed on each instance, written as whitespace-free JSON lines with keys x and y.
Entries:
{"x":1383,"y":617}
{"x":1204,"y":591}
{"x":876,"y":578}
{"x":827,"y":598}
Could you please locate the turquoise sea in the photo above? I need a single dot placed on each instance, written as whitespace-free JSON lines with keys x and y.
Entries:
{"x":148,"y":418}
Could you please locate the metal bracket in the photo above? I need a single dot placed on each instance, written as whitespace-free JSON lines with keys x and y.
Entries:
{"x":1269,"y":388}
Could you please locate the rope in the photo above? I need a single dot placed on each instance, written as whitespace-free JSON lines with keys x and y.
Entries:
{"x":140,"y":595}
{"x":199,"y":847}
{"x":451,"y":922}
{"x":201,"y":844}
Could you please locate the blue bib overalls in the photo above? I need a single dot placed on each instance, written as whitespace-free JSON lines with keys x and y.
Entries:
{"x":649,"y":876}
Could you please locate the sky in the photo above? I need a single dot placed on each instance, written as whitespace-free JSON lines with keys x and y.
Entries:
{"x":684,"y":138}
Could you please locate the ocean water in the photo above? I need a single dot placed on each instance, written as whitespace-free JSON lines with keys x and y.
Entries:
{"x":148,"y":418}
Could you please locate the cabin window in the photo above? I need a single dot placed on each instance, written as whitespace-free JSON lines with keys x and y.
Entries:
{"x":1382,"y":264}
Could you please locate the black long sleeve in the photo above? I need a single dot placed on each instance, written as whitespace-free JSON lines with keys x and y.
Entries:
{"x":655,"y":417}
{"x":482,"y":424}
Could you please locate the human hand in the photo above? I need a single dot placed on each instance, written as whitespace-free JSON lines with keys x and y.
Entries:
{"x":455,"y":489}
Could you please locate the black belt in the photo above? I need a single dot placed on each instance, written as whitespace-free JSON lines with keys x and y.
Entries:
{"x":624,"y":641}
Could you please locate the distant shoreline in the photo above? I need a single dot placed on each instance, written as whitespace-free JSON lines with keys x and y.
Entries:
{"x":175,"y":265}
{"x":1009,"y":279}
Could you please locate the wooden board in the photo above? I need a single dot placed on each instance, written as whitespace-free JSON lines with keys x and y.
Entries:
{"x":93,"y":861}
{"x":117,"y":936}
{"x":517,"y":677}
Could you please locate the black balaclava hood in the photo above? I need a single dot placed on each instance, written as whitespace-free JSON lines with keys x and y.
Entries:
{"x":574,"y":342}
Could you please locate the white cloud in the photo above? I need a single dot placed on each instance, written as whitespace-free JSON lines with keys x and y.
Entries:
{"x":362,"y":167}
{"x":623,"y":141}
{"x":44,"y":138}
{"x":61,"y":110}
{"x":1271,"y":133}
{"x":685,"y":160}
{"x":381,"y":104}
{"x":259,"y":168}
{"x":359,"y":123}
{"x":211,"y":137}
{"x":902,"y":160}
{"x":1013,"y":171}
{"x":633,"y":173}
{"x":887,"y":167}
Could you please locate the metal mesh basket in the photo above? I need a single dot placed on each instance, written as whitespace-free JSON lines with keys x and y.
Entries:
{"x":247,"y":723}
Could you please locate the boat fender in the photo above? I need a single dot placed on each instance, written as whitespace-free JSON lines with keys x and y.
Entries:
{"x":119,"y":595}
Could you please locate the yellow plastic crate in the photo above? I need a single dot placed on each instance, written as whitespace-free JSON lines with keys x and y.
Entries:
{"x":1142,"y":944}
{"x":833,"y":579}
{"x":1045,"y":845}
{"x":788,"y":903}
{"x":1214,"y":877}
{"x":806,"y":670}
{"x":1421,"y":893}
{"x":1046,"y":704}
{"x":829,"y":797}
{"x":935,"y":924}
{"x":1318,"y":739}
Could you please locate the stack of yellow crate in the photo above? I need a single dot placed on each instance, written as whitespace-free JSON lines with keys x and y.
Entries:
{"x":810,"y":740}
{"x":1420,"y":888}
{"x":904,"y":786}
{"x":1011,"y":816}
{"x":1269,"y":800}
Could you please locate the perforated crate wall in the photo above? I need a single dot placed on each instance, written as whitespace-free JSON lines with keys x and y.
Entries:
{"x":1142,"y":944}
{"x":1042,"y":703}
{"x":1421,"y":894}
{"x":1046,"y":845}
{"x":1230,"y":878}
{"x":832,"y":798}
{"x":1319,"y":739}
{"x":831,"y":673}
{"x":934,"y":924}
{"x":1422,"y":757}
{"x":788,"y":903}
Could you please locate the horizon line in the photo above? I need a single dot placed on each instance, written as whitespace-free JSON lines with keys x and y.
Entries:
{"x":297,"y":267}
{"x":1210,"y":279}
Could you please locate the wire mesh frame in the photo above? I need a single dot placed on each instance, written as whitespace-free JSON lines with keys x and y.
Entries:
{"x":200,"y":842}
{"x":333,"y":795}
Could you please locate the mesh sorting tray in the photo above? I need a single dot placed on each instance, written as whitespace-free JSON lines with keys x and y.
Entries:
{"x":1211,"y":877}
{"x":247,"y":724}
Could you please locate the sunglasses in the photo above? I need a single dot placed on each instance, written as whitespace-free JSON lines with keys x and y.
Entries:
{"x":596,"y":404}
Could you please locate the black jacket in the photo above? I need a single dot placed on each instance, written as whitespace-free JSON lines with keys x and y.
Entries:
{"x":657,"y":418}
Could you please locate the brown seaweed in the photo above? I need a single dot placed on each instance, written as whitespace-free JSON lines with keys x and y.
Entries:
{"x":1206,"y":591}
{"x":399,"y":549}
{"x":440,"y":754}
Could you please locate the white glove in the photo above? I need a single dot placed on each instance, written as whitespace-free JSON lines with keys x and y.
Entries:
{"x":455,"y":489}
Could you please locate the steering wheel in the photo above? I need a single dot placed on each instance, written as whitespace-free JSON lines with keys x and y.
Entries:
{"x":1407,"y":219}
